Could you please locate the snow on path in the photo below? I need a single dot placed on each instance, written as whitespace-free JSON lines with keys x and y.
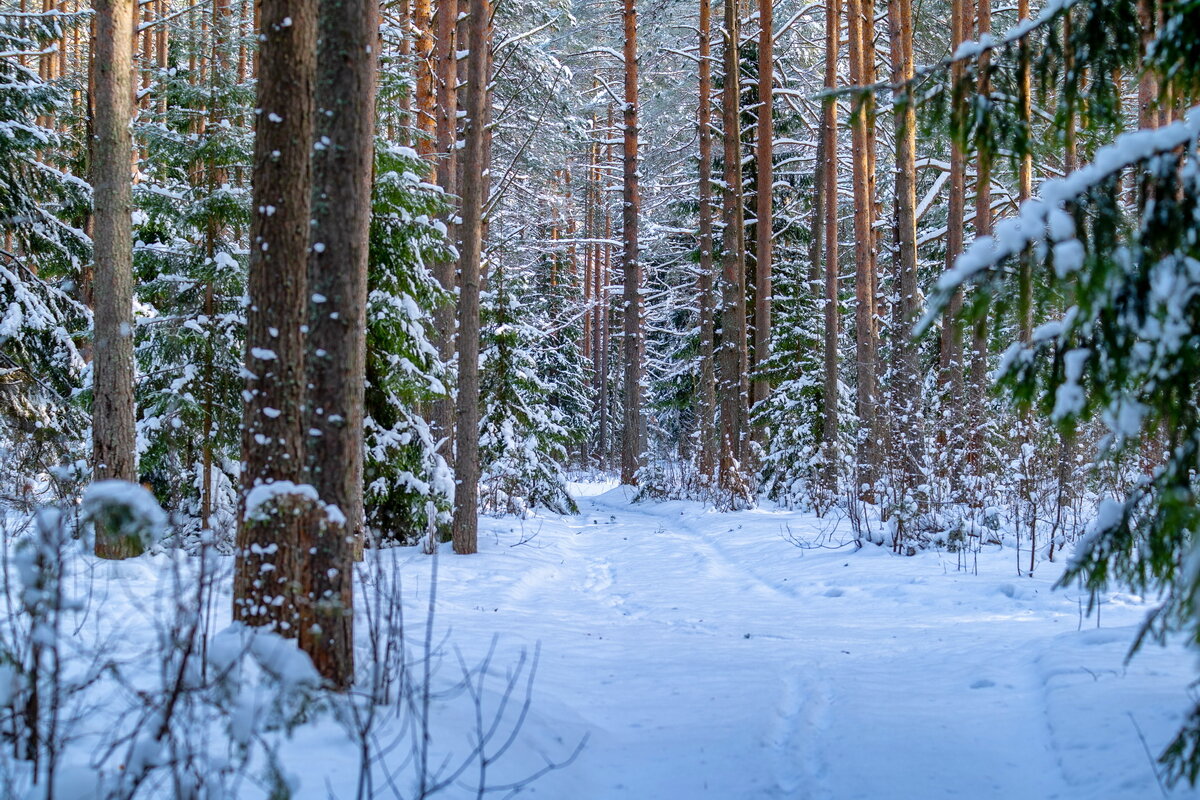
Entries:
{"x":706,"y":656}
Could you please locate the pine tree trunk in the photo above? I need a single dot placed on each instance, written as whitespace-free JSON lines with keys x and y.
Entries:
{"x":862,"y":71}
{"x":829,"y":173}
{"x":445,"y":55}
{"x":906,"y":414}
{"x":1025,"y":175}
{"x":631,"y":265}
{"x":731,"y":353}
{"x":113,"y":430}
{"x":707,"y":407}
{"x":764,"y":199}
{"x":466,"y":496}
{"x":604,"y":396}
{"x":271,"y":546}
{"x":976,"y":416}
{"x":951,"y":431}
{"x":426,"y":117}
{"x":336,"y":367}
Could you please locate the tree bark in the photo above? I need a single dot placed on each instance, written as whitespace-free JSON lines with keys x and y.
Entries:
{"x":950,"y":378}
{"x":862,"y":72}
{"x":829,"y":174}
{"x":267,"y":582}
{"x":113,"y":430}
{"x":426,"y":116}
{"x":731,"y":354}
{"x":466,"y":495}
{"x":632,"y":440}
{"x":343,"y":162}
{"x":1025,"y":174}
{"x":764,"y":200}
{"x":445,"y":55}
{"x":907,"y":419}
{"x":707,"y":406}
{"x":983,"y":227}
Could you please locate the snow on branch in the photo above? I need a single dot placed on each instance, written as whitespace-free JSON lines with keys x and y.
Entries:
{"x":1045,"y":218}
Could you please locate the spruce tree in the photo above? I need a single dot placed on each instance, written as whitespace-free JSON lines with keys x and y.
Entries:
{"x":1126,"y":349}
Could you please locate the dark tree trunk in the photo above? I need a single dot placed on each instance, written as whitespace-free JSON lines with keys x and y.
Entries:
{"x":632,"y":442}
{"x":707,"y":406}
{"x":466,"y":496}
{"x":269,"y":544}
{"x":337,"y":281}
{"x":760,"y":386}
{"x":829,"y":174}
{"x":731,"y":355}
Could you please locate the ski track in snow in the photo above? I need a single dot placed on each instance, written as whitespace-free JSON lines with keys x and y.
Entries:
{"x":706,"y":656}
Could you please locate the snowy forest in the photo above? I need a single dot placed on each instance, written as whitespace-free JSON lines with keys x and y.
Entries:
{"x":632,"y":399}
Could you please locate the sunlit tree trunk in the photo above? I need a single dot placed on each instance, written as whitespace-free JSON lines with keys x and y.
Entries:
{"x":426,"y":94}
{"x":862,"y":72}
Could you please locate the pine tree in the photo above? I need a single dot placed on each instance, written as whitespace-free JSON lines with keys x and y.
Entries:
{"x":113,"y":435}
{"x":43,"y":323}
{"x":524,"y":434}
{"x":408,"y":486}
{"x":1127,"y":348}
{"x":190,"y":263}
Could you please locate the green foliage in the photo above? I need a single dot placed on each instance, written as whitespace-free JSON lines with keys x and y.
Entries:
{"x":524,"y":433}
{"x":190,"y":267}
{"x":1127,"y":348}
{"x":42,"y":321}
{"x":407,"y":481}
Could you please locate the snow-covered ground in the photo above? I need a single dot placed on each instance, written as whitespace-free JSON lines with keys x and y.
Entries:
{"x":707,"y":655}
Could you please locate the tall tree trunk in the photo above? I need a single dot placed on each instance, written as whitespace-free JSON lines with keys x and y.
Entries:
{"x":983,"y":227}
{"x":862,"y":71}
{"x":829,"y":175}
{"x":1025,"y":174}
{"x":760,"y":386}
{"x":707,"y":407}
{"x":426,"y":94}
{"x":267,"y":581}
{"x":604,"y":396}
{"x":445,"y":55}
{"x":337,"y":280}
{"x":907,"y":420}
{"x":632,"y":442}
{"x":466,"y":495}
{"x":113,"y":449}
{"x":950,"y":360}
{"x":446,"y":82}
{"x":731,"y":355}
{"x":215,"y":176}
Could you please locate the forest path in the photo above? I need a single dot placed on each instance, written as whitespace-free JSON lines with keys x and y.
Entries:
{"x":707,"y":656}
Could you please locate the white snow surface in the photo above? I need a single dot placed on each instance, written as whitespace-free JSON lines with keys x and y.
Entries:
{"x":707,"y":656}
{"x":704,"y":654}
